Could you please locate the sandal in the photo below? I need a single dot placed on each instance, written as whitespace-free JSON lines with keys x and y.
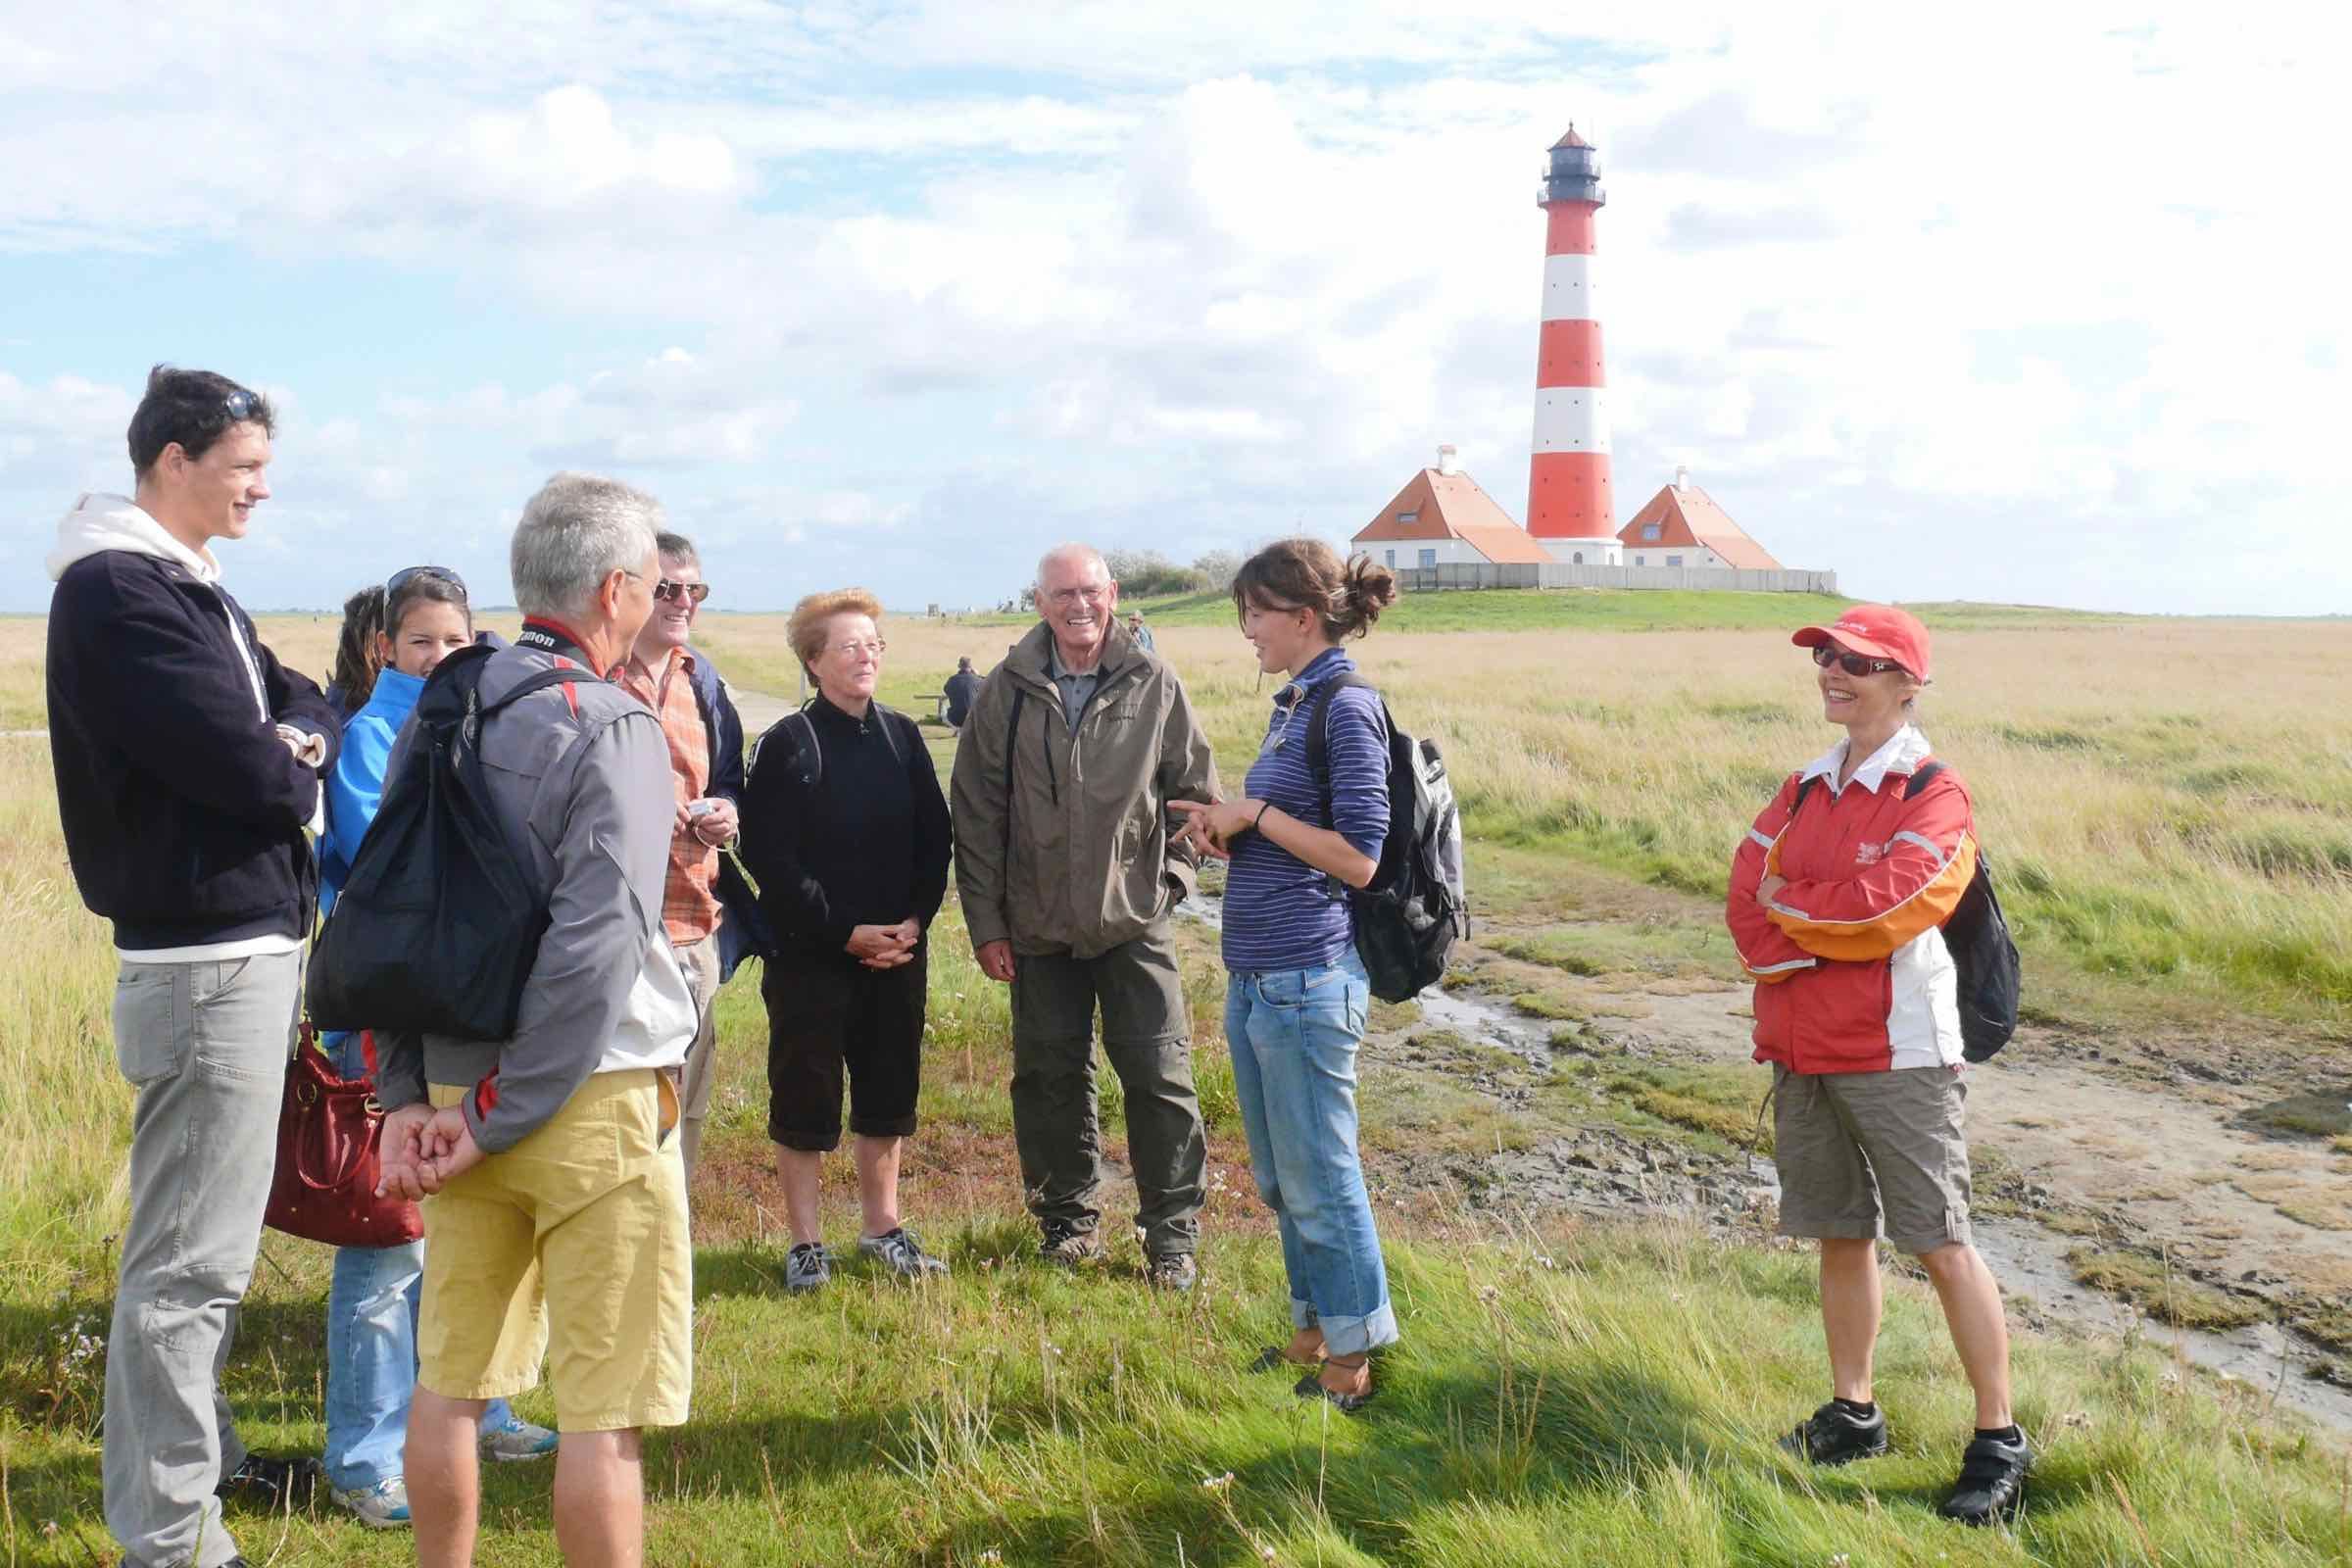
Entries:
{"x":1273,"y":1358}
{"x":1312,"y":1387}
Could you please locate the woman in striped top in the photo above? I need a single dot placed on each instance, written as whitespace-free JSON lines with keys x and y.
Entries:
{"x":1297,"y":997}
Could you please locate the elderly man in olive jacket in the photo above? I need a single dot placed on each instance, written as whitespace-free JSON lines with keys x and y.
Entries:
{"x":1068,"y":872}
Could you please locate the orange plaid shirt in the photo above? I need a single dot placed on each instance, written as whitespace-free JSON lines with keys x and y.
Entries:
{"x":689,"y":904}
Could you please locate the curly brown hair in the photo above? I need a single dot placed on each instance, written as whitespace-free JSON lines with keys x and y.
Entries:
{"x":812,"y":619}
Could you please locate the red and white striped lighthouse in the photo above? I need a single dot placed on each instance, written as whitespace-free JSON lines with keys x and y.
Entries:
{"x":1568,"y":501}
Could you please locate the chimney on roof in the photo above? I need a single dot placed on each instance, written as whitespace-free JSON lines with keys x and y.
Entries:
{"x":1448,"y":462}
{"x":1682,"y":476}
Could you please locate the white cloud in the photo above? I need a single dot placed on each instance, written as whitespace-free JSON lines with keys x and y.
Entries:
{"x":1902,"y":290}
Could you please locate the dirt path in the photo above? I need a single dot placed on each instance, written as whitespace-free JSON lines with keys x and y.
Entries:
{"x":2202,"y":1179}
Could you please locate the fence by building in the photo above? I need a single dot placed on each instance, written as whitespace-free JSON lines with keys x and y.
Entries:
{"x":1555,"y":574}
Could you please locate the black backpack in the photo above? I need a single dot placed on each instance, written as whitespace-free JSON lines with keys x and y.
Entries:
{"x":437,"y":928}
{"x":1977,"y":935}
{"x":1415,"y":908}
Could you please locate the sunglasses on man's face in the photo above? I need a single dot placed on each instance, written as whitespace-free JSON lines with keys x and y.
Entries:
{"x":408,"y":574}
{"x":692,"y":592}
{"x":1852,"y":663}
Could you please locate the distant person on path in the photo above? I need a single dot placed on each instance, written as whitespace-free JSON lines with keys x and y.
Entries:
{"x":1837,"y":895}
{"x":555,"y":1227}
{"x":847,"y":833}
{"x":372,"y":1303}
{"x":705,"y":735}
{"x":1068,"y":870}
{"x":962,"y":691}
{"x":188,"y":768}
{"x":1141,"y":633}
{"x":1297,"y":997}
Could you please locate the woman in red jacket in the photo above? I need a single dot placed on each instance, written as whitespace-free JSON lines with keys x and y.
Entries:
{"x":1837,"y":894}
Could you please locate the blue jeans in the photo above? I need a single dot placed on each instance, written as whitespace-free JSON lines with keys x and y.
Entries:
{"x":1293,"y":1035}
{"x":371,"y":1345}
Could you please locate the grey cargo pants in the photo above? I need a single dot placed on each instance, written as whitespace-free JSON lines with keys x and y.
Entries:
{"x":1146,"y":1034}
{"x":206,"y":1046}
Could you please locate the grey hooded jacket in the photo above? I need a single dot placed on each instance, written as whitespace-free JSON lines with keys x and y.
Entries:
{"x":580,"y":777}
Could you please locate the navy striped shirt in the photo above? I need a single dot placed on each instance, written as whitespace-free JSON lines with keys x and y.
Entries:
{"x":1280,"y":913}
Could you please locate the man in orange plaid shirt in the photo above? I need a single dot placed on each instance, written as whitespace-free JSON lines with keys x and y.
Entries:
{"x":700,"y":723}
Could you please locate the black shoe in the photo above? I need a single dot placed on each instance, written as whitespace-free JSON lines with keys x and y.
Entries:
{"x":1835,"y":1436}
{"x":273,"y":1486}
{"x":1992,"y":1480}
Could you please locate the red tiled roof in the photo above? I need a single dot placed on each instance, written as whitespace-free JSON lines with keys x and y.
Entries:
{"x":1452,"y":506}
{"x":1572,"y":139}
{"x":1689,"y":517}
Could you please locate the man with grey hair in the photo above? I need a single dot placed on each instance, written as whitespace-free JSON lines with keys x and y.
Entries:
{"x":557,"y":1214}
{"x":1068,"y":873}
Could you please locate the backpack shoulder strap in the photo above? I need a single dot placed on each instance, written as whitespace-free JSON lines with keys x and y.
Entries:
{"x":1804,"y":787}
{"x":1012,"y":741}
{"x":1319,"y":734}
{"x":891,"y":718}
{"x":1921,"y":779}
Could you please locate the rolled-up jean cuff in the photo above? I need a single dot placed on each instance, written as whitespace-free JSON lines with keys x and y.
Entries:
{"x":1351,"y":1336}
{"x":1302,"y":1313}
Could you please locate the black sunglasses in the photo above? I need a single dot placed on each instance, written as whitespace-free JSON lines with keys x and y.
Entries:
{"x":240,"y":404}
{"x":694,"y":592}
{"x":1852,"y":663}
{"x":408,"y":574}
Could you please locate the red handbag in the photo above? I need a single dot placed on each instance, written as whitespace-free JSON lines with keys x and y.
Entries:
{"x":329,"y":1161}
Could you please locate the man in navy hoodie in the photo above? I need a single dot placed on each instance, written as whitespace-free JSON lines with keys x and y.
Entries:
{"x":188,"y":774}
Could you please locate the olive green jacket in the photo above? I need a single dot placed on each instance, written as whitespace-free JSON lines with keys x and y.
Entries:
{"x":1062,"y":840}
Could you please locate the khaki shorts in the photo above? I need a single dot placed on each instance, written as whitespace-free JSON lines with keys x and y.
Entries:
{"x":571,"y":1246}
{"x":1859,"y":1153}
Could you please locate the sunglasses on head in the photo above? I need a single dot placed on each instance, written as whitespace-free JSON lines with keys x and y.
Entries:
{"x":240,"y":404}
{"x":1852,"y":663}
{"x":408,"y":574}
{"x":692,"y":592}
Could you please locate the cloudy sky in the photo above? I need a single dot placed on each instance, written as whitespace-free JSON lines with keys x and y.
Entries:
{"x":2036,"y":305}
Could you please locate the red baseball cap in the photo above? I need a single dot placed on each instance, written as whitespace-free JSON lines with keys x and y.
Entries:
{"x":1875,"y":632}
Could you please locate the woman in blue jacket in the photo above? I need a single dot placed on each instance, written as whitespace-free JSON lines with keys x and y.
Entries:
{"x":372,"y":1306}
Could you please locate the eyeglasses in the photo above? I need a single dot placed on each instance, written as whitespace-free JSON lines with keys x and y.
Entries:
{"x":1071,"y":596}
{"x":873,"y":650}
{"x":241,"y":405}
{"x":1852,"y":663}
{"x":408,"y":574}
{"x":692,"y":592}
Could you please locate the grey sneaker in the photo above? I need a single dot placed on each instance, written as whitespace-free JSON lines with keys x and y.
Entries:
{"x":518,"y":1441}
{"x":1172,"y":1271}
{"x":899,"y":1251}
{"x":1068,"y":1247}
{"x":806,"y":1266}
{"x":382,"y":1506}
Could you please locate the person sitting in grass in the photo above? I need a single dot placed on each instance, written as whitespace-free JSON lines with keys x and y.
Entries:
{"x":1296,"y":996}
{"x":1837,"y":895}
{"x":846,"y":831}
{"x":416,"y":619}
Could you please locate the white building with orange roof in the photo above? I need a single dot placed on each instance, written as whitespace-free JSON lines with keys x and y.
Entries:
{"x":1683,"y":526}
{"x":1442,"y":518}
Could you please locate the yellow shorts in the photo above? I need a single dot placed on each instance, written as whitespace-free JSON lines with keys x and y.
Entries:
{"x":571,"y":1246}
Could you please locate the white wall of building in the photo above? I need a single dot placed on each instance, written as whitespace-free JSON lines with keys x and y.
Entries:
{"x":1672,"y":556}
{"x":1593,"y":552}
{"x":1423,"y":553}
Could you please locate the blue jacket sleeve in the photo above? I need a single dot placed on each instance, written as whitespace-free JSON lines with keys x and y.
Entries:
{"x":354,"y":791}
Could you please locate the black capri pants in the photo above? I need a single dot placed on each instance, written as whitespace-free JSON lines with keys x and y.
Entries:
{"x":826,"y":1012}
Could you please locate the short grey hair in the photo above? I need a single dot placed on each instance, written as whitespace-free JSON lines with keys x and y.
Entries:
{"x":677,"y":547}
{"x":1073,"y":552}
{"x":578,"y":530}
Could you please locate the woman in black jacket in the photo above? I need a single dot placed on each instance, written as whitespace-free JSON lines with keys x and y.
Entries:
{"x":846,"y":831}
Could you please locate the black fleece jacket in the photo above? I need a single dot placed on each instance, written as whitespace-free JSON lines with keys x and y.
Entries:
{"x":853,"y":835}
{"x":183,"y":812}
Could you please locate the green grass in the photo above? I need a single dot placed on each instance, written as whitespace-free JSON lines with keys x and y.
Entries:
{"x":1592,"y":1398}
{"x":1542,"y":610}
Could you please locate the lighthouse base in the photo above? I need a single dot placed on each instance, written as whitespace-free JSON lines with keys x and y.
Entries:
{"x":1605,"y":551}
